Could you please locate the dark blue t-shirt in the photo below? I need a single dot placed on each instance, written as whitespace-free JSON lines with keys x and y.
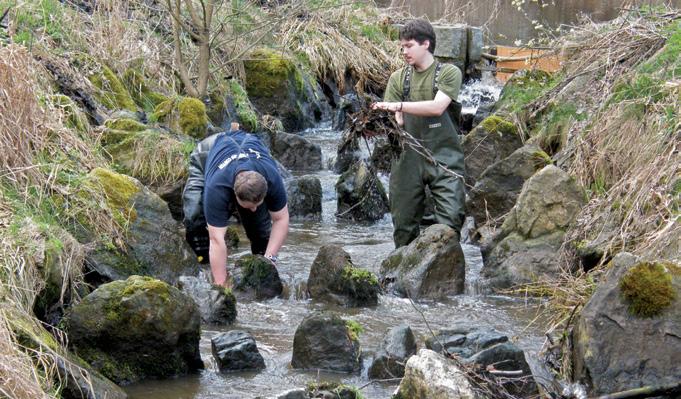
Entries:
{"x":232,"y":153}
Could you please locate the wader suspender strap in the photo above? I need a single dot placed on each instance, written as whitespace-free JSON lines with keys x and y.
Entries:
{"x":406,"y":86}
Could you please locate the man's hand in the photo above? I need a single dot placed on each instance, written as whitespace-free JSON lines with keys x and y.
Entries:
{"x":387,"y":106}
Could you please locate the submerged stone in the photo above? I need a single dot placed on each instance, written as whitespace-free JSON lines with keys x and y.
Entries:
{"x":334,"y":278}
{"x":256,"y":277}
{"x":236,"y":351}
{"x":431,"y":266}
{"x":326,"y":342}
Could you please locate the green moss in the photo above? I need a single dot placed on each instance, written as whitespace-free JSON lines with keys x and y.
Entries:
{"x":359,"y":275}
{"x":119,"y":190}
{"x":647,"y":288}
{"x":255,"y":267}
{"x":144,"y":97}
{"x":75,"y":118}
{"x":110,"y":90}
{"x":392,"y":262}
{"x":138,"y":284}
{"x":163,"y":110}
{"x":125,"y":124}
{"x":354,"y":329}
{"x":193,"y":119}
{"x":268,"y":73}
{"x":244,"y":109}
{"x":541,"y":159}
{"x":232,"y":236}
{"x":497,"y":125}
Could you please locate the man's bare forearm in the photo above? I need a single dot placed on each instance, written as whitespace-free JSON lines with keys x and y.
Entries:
{"x":218,"y":260}
{"x":277,"y":236}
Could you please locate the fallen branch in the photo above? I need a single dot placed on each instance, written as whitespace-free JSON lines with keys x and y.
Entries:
{"x":646,"y":392}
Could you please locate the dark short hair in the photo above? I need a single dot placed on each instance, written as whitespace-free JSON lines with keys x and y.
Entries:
{"x":419,"y":30}
{"x":250,"y":186}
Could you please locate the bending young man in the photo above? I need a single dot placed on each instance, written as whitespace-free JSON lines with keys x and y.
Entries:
{"x":419,"y":94}
{"x":239,"y":174}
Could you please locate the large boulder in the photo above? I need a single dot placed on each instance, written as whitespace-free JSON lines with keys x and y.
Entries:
{"x":304,"y":197}
{"x":296,"y":152}
{"x":334,"y":278}
{"x":498,"y":187}
{"x":527,"y":247}
{"x":236,"y":351}
{"x":326,"y":342}
{"x":491,"y":141}
{"x":431,"y":266}
{"x":399,"y":344}
{"x":255,"y":277}
{"x":627,"y":335}
{"x":137,"y":328}
{"x":154,"y":244}
{"x":429,"y":375}
{"x":361,"y":196}
{"x":278,"y":87}
{"x":486,"y":347}
{"x":216,"y":304}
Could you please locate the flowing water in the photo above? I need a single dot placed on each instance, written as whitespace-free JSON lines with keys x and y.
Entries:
{"x":273,"y":322}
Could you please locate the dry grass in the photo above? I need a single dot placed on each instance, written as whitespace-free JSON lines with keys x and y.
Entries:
{"x":333,"y":49}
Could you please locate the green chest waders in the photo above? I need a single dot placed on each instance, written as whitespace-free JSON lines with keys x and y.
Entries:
{"x":412,"y":172}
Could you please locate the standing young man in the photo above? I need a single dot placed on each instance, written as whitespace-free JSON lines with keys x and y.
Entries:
{"x":240,"y":174}
{"x":422,"y":110}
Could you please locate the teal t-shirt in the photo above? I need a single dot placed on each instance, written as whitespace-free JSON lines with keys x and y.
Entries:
{"x":421,"y":89}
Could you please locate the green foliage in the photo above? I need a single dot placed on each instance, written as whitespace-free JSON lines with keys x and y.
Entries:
{"x":641,"y":86}
{"x":667,"y":63}
{"x":193,"y":119}
{"x":359,"y":275}
{"x":244,"y":109}
{"x":354,"y":329}
{"x":497,"y":125}
{"x":34,"y":19}
{"x":647,"y":288}
{"x":553,"y":126}
{"x":524,"y":88}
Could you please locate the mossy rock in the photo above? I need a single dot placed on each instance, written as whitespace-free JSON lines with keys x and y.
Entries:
{"x":647,"y":288}
{"x":137,"y":328}
{"x":125,"y":124}
{"x":327,"y":342}
{"x":193,"y":119}
{"x":144,"y":97}
{"x":326,"y":389}
{"x":276,"y":85}
{"x":152,"y":244}
{"x":256,"y":276}
{"x":267,"y":72}
{"x":119,"y":190}
{"x":495,"y":124}
{"x":185,"y":114}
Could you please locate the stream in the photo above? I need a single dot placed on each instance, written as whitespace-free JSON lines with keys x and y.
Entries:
{"x":273,"y":322}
